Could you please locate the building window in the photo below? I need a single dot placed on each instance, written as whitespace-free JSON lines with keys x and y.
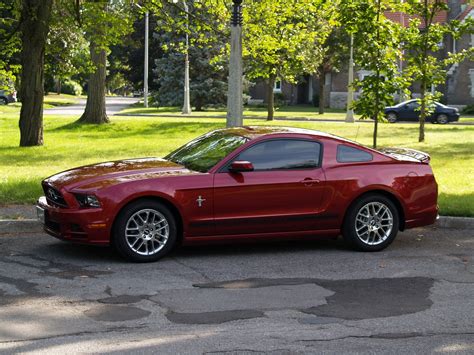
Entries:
{"x":277,"y":86}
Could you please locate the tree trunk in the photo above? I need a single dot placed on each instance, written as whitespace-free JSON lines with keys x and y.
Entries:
{"x":321,"y":91}
{"x":95,"y":107}
{"x":58,"y":88}
{"x":421,"y":136}
{"x":35,"y":17}
{"x":270,"y":97}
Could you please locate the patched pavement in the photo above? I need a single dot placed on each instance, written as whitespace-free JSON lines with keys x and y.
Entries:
{"x":276,"y":298}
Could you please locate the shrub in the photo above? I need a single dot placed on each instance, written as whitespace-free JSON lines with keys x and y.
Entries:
{"x":279,"y":99}
{"x":71,"y":87}
{"x":468,"y":110}
{"x":315,"y":100}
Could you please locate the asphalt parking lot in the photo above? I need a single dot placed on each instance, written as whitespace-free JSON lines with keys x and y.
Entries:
{"x":282,"y":298}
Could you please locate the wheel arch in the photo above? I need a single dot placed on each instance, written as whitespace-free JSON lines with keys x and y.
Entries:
{"x":171,"y":206}
{"x":385,"y":193}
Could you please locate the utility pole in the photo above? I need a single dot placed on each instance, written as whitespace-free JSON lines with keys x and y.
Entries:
{"x":234,"y":96}
{"x":145,"y":73}
{"x":350,"y":89}
{"x":187,"y":101}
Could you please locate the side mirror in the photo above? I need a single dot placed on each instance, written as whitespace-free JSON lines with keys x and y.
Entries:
{"x":241,"y":166}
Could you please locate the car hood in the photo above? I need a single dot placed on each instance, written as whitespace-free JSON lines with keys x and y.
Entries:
{"x":107,"y":173}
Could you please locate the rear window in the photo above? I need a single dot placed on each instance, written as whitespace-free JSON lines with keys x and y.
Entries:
{"x":346,"y":154}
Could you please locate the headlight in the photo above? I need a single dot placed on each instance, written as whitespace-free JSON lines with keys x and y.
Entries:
{"x":87,"y":200}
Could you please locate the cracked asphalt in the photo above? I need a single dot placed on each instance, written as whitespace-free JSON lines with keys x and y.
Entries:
{"x":279,"y":298}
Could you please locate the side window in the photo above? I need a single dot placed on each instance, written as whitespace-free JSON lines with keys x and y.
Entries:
{"x":412,"y":105}
{"x":346,"y":154}
{"x":283,"y":154}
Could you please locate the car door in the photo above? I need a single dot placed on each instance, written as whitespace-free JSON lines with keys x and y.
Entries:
{"x":281,"y":194}
{"x":411,"y":111}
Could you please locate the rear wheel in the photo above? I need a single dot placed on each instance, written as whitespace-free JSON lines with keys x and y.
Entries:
{"x":442,"y":118}
{"x":144,"y":231}
{"x":371,"y":223}
{"x":3,"y":101}
{"x":392,"y":117}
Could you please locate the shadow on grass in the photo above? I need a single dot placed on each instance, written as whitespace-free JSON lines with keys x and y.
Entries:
{"x":161,"y":128}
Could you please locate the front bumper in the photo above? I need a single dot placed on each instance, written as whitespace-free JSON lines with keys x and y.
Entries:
{"x":454,"y":117}
{"x":86,"y":226}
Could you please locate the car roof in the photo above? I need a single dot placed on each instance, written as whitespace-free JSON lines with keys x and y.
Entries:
{"x":253,"y":132}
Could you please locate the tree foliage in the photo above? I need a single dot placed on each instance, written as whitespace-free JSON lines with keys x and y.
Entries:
{"x":377,"y":48}
{"x":283,"y":39}
{"x":205,"y":27}
{"x":422,"y":41}
{"x":10,"y":43}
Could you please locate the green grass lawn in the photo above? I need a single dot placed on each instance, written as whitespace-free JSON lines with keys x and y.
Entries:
{"x":68,"y":145}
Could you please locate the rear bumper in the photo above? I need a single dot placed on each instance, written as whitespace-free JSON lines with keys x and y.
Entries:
{"x":87,"y":226}
{"x":425,"y":218}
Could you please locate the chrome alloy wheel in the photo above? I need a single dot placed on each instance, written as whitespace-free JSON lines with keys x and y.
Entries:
{"x":392,"y":117}
{"x":374,"y":223}
{"x":147,"y":232}
{"x":442,"y":119}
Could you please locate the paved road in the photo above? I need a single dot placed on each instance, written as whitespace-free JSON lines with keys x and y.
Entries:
{"x":114,"y":105}
{"x":300,"y":297}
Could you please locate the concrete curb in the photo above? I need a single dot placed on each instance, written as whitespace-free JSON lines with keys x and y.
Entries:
{"x":9,"y":226}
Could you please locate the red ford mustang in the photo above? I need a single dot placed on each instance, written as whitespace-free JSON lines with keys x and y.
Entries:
{"x":246,"y":182}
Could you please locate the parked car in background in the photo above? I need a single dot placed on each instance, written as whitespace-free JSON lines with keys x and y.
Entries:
{"x":137,"y":93}
{"x":241,"y":183}
{"x":6,"y":97}
{"x":409,"y":111}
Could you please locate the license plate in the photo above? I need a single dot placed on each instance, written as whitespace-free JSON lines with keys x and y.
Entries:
{"x":40,"y":214}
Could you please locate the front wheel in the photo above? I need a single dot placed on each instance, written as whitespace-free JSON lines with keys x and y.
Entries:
{"x":371,"y":223}
{"x":442,"y":119}
{"x":3,"y":101}
{"x":144,"y":231}
{"x":392,"y":117}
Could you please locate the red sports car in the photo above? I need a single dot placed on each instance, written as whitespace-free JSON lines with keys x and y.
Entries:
{"x":240,"y":183}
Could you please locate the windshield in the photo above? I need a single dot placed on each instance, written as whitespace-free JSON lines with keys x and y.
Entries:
{"x":202,"y":153}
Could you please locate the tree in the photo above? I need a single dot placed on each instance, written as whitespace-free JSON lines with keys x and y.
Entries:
{"x":283,"y":39}
{"x":422,"y":41}
{"x":34,"y":26}
{"x":335,"y":53}
{"x":207,"y":54}
{"x":377,"y":49}
{"x":208,"y":78}
{"x":105,"y":23}
{"x":10,"y":40}
{"x":66,"y":48}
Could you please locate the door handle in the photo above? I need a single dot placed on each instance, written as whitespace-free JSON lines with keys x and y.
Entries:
{"x":309,"y":181}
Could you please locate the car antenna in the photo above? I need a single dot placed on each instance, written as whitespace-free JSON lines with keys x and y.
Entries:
{"x":357,"y":133}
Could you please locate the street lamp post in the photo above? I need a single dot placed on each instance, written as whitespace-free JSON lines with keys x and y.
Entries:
{"x":145,"y":71}
{"x":350,"y":89}
{"x":234,"y":95}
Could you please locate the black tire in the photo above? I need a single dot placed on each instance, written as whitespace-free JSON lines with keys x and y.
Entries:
{"x":350,"y":225}
{"x":3,"y":101}
{"x":442,"y":118}
{"x":392,"y":117}
{"x":128,"y":217}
